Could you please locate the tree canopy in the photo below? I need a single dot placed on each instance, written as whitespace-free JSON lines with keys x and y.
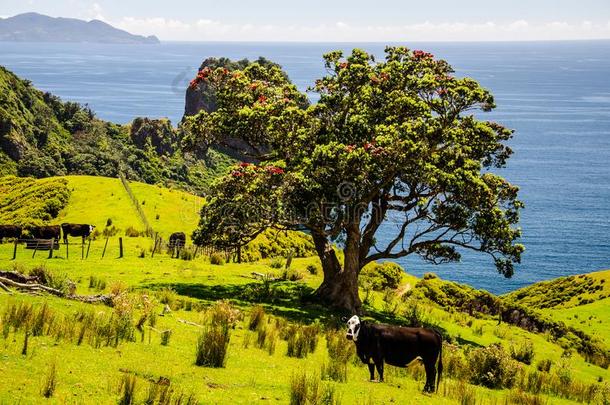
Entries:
{"x":393,"y":140}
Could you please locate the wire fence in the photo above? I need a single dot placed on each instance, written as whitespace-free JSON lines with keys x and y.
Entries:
{"x":113,"y":247}
{"x":149,"y":230}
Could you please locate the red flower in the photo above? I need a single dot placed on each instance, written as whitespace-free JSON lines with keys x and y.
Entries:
{"x":369,"y":145}
{"x":343,"y":65}
{"x":375,"y":79}
{"x":274,"y":170}
{"x":253,"y":86}
{"x":384,"y":76}
{"x":349,"y":148}
{"x":418,"y":54}
{"x":262,"y":99}
{"x":442,"y":92}
{"x":235,"y":173}
{"x":245,"y":164}
{"x":193,"y":83}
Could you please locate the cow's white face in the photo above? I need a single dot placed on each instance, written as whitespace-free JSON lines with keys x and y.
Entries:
{"x":353,"y":328}
{"x":91,"y":227}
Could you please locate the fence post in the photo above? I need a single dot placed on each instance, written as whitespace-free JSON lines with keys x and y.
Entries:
{"x":52,"y":247}
{"x":82,"y":250}
{"x":67,"y":254}
{"x":88,"y":247}
{"x":105,"y":246}
{"x":120,"y":247}
{"x":15,"y":250}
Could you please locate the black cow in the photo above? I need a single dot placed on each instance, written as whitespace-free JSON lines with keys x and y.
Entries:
{"x":398,"y":346}
{"x":10,"y":231}
{"x":82,"y":230}
{"x":177,"y":239}
{"x":46,"y":232}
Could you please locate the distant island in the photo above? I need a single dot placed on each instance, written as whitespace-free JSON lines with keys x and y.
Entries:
{"x":34,"y":27}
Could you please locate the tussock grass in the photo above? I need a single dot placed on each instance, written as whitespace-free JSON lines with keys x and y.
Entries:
{"x":49,"y":383}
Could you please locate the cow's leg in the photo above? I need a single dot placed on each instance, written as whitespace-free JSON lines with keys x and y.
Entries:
{"x":379,"y":365}
{"x":429,"y":365}
{"x":372,"y":370}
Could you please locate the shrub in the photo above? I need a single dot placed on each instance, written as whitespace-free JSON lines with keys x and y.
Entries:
{"x":217,"y":259}
{"x":132,"y":232}
{"x":381,"y":276}
{"x":212,"y":345}
{"x":99,"y":284}
{"x":544,"y":365}
{"x":302,"y":340}
{"x":308,"y":390}
{"x":50,"y":381}
{"x":257,"y":315}
{"x":127,"y":389}
{"x":276,"y":263}
{"x":523,"y":353}
{"x":165,"y":336}
{"x":292,"y":275}
{"x":339,"y":355}
{"x":491,"y":367}
{"x":187,"y":254}
{"x":313,"y":269}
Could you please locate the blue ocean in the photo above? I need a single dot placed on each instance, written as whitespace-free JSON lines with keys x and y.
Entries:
{"x":555,"y":95}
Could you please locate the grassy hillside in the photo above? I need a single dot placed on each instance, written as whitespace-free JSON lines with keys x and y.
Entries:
{"x":90,"y":371}
{"x":579,"y":301}
{"x":25,"y":201}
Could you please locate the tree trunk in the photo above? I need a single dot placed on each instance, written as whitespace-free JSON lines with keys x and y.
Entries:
{"x":340,"y":286}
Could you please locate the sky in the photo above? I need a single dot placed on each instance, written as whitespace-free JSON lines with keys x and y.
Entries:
{"x":338,"y":20}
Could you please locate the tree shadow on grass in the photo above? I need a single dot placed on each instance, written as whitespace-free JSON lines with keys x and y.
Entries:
{"x":285,"y":299}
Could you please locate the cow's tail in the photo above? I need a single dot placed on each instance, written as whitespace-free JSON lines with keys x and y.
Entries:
{"x":439,"y":368}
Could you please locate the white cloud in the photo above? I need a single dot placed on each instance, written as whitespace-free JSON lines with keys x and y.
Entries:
{"x":212,"y":30}
{"x":95,"y":12}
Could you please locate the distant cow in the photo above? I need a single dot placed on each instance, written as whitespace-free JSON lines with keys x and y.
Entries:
{"x":46,"y":232}
{"x":10,"y":231}
{"x":398,"y":346}
{"x":177,"y":239}
{"x":82,"y":230}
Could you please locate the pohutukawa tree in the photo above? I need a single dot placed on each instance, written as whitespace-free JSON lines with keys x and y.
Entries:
{"x":392,"y":140}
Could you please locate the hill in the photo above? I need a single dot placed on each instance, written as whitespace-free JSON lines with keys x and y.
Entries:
{"x":42,"y":136}
{"x":485,"y":362}
{"x":579,"y":301}
{"x":34,"y":27}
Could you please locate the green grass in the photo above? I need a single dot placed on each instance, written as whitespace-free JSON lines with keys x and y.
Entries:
{"x":251,"y":374}
{"x":94,"y":200}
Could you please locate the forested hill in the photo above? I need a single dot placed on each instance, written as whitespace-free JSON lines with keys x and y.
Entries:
{"x":42,"y":136}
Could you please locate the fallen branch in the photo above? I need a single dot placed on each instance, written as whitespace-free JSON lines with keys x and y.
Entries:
{"x":18,"y":277}
{"x":38,"y":288}
{"x":190,"y":323}
{"x":5,"y":288}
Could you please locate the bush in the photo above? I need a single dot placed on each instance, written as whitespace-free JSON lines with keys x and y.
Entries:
{"x":339,"y":355}
{"x":491,"y":367}
{"x":313,"y":269}
{"x":276,"y":263}
{"x":50,"y":381}
{"x":381,"y":276}
{"x":544,"y":365}
{"x":127,"y":389}
{"x":308,"y":390}
{"x":524,"y":353}
{"x":212,"y":345}
{"x":132,"y":232}
{"x":257,"y":315}
{"x":302,"y":340}
{"x":292,"y":275}
{"x":217,"y":259}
